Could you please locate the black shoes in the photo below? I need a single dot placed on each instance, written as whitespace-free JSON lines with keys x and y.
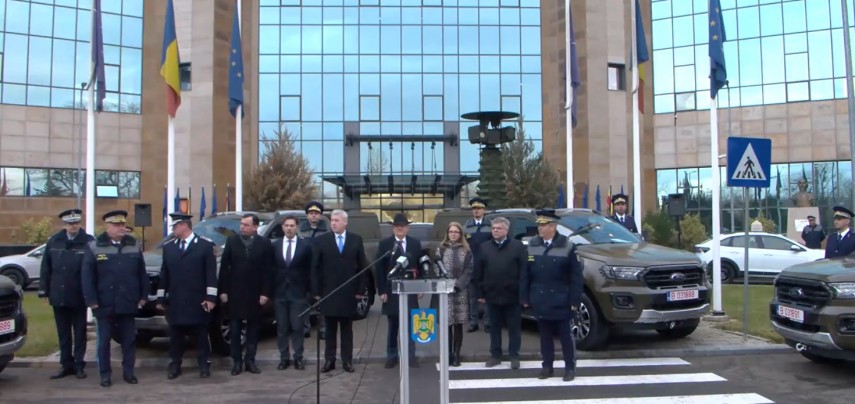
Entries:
{"x":174,"y":371}
{"x":130,"y":379}
{"x":307,"y":334}
{"x":455,"y":359}
{"x":328,"y":365}
{"x":237,"y":368}
{"x":545,"y":373}
{"x":390,"y":363}
{"x":348,"y":367}
{"x":472,"y":328}
{"x":80,"y":373}
{"x":62,"y":373}
{"x":283,"y":364}
{"x":515,"y":363}
{"x":105,"y":382}
{"x":569,"y":375}
{"x":298,"y":364}
{"x":205,"y":372}
{"x":323,"y":335}
{"x":251,"y":368}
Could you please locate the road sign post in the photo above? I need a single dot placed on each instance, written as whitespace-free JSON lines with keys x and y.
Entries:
{"x":749,"y":162}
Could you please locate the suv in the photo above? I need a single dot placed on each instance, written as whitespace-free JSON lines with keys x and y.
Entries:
{"x":628,"y":283}
{"x":13,"y":322}
{"x":813,"y":308}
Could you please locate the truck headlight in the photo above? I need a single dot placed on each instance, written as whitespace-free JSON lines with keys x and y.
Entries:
{"x":621,"y":273}
{"x":843,"y":290}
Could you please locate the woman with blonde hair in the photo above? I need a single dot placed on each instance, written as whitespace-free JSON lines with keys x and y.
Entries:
{"x":456,"y":256}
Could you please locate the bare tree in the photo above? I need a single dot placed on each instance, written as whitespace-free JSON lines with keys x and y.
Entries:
{"x":530,"y":179}
{"x":283,"y":178}
{"x":376,"y":163}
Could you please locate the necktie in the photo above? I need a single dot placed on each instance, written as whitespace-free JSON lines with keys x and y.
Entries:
{"x":622,"y":220}
{"x":340,"y":243}
{"x":182,"y":245}
{"x":288,"y":253}
{"x":400,"y":246}
{"x":479,"y":226}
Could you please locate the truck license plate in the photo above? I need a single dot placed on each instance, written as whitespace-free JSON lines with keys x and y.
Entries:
{"x":7,"y":326}
{"x":678,"y":295}
{"x":791,"y":313}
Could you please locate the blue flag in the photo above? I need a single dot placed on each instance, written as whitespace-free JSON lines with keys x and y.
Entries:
{"x":98,"y":58}
{"x":27,"y":185}
{"x":574,"y":80}
{"x":561,"y":202}
{"x":164,"y":211}
{"x":718,"y":71}
{"x":235,"y":68}
{"x":202,"y":205}
{"x":585,"y":197}
{"x":599,"y":206}
{"x":214,"y":201}
{"x":177,"y":201}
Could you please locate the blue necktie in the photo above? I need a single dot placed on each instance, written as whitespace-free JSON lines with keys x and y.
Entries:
{"x":340,"y":243}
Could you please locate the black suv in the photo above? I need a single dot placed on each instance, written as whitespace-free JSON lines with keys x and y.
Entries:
{"x":13,"y":322}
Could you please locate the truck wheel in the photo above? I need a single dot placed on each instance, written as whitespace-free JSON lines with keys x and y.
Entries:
{"x":592,"y":332}
{"x":220,"y":336}
{"x":820,"y":359}
{"x":679,"y":332}
{"x":15,"y":274}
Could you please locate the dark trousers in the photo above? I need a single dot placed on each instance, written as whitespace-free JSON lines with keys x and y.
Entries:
{"x":548,"y":329}
{"x":510,"y":314}
{"x":123,"y":327}
{"x":392,"y":338}
{"x":71,"y":328}
{"x":289,"y":326}
{"x":178,"y":338}
{"x":333,"y":324}
{"x":475,"y":308}
{"x":251,"y":344}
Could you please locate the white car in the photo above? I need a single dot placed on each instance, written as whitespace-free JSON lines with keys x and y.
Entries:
{"x":768,"y":254}
{"x":23,"y":269}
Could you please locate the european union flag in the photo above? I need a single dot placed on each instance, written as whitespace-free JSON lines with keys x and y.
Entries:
{"x":235,"y":68}
{"x":718,"y":71}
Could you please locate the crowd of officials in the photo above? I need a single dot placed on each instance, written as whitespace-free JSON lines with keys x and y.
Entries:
{"x":496,"y":277}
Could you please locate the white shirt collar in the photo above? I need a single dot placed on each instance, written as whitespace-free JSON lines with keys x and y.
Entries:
{"x":844,"y":233}
{"x":188,"y":239}
{"x":343,"y":234}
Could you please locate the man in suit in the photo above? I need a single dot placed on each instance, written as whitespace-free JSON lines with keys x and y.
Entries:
{"x":338,"y":256}
{"x":842,"y":242}
{"x":315,"y":226}
{"x":292,"y":271}
{"x":813,"y":234}
{"x":188,"y":292}
{"x":60,"y":284}
{"x":115,"y":287}
{"x":619,"y":201}
{"x":477,"y":232}
{"x":399,"y":244}
{"x":245,"y":273}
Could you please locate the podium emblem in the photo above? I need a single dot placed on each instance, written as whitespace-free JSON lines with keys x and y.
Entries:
{"x":423,"y":326}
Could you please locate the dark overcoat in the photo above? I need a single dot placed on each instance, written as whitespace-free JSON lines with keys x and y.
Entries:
{"x":245,"y":275}
{"x":114,"y":276}
{"x":60,"y":272}
{"x":552,"y":282}
{"x":331,"y":268}
{"x":835,"y":247}
{"x":187,"y":279}
{"x":383,"y":266}
{"x":497,"y":271}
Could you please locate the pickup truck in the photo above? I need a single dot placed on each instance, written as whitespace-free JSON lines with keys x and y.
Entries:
{"x":13,"y":322}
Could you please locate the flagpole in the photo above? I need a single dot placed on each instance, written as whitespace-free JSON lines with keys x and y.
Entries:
{"x":716,"y":207}
{"x":850,"y":91}
{"x":571,"y":186}
{"x":239,"y":140}
{"x":90,"y":138}
{"x":636,"y":130}
{"x":170,"y":165}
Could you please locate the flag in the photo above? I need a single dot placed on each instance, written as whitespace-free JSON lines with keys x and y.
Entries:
{"x":97,"y":74}
{"x":621,"y":188}
{"x":228,"y":197}
{"x":718,"y":71}
{"x":202,"y":205}
{"x":189,"y":201}
{"x":609,"y":201}
{"x":585,"y":197}
{"x":599,"y":206}
{"x":164,"y":211}
{"x":642,"y":54}
{"x":169,"y":62}
{"x":177,"y":202}
{"x":574,"y":80}
{"x":236,"y":68}
{"x":27,"y":190}
{"x":214,"y":201}
{"x":778,"y":185}
{"x":561,"y":204}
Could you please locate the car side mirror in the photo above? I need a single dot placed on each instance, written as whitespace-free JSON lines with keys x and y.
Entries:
{"x":526,"y":240}
{"x":795,"y":248}
{"x":36,"y":254}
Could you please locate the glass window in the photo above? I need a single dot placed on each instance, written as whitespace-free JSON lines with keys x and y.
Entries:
{"x":817,"y":14}
{"x":819,"y":45}
{"x":369,"y":108}
{"x":794,"y":16}
{"x":771,"y":20}
{"x":683,"y":25}
{"x":749,"y":23}
{"x":773,"y":59}
{"x":616,"y":77}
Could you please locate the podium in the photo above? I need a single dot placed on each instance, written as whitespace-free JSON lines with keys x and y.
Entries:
{"x":441,"y":287}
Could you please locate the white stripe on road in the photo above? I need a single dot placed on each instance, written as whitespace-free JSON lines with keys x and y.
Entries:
{"x":750,"y":398}
{"x":585,"y":381}
{"x":582,"y":363}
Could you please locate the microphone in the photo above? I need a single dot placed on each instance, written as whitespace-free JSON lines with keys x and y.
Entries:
{"x":400,"y":263}
{"x":443,"y":272}
{"x":424,"y":264}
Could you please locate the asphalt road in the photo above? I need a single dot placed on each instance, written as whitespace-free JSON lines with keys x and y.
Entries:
{"x":779,"y":378}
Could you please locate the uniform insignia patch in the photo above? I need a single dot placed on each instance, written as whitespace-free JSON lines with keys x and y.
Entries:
{"x":531,"y":258}
{"x":101,"y":257}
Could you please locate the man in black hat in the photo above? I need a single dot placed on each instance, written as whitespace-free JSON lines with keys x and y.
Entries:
{"x":115,"y":287}
{"x":60,"y":284}
{"x":477,"y":232}
{"x":619,"y":201}
{"x":399,"y":244}
{"x":841,"y":243}
{"x":813,"y":234}
{"x":315,"y":226}
{"x":187,"y":291}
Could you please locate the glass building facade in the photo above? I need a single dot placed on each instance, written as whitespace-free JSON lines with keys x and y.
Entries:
{"x":45,"y":52}
{"x":394,"y":67}
{"x":777,"y":51}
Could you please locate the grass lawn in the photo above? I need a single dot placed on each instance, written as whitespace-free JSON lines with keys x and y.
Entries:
{"x":759,"y":297}
{"x":41,"y":328}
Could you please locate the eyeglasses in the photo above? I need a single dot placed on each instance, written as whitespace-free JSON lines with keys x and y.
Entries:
{"x":453,"y":231}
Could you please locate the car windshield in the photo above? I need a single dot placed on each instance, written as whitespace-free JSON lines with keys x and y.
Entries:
{"x":604,"y":230}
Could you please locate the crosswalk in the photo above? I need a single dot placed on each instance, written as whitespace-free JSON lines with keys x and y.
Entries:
{"x":614,"y":381}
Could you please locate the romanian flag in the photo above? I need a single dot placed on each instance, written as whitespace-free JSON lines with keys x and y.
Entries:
{"x":609,"y":202}
{"x":642,"y":54}
{"x":169,"y":62}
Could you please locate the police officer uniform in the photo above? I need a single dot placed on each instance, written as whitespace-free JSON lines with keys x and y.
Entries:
{"x":309,"y":232}
{"x":626,"y":220}
{"x":552,"y":285}
{"x":813,"y":235}
{"x":188,"y":277}
{"x":841,"y":243}
{"x":115,"y":285}
{"x":60,"y":284}
{"x":477,"y":232}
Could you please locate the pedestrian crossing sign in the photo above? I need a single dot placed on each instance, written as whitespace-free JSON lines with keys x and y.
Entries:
{"x":748,"y":162}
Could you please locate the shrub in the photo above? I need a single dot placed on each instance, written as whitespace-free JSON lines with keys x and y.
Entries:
{"x":693,"y":231}
{"x":658,"y":228}
{"x":769,"y":225}
{"x":36,"y":231}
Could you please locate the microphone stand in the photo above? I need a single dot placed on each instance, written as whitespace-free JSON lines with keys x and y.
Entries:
{"x":316,"y":306}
